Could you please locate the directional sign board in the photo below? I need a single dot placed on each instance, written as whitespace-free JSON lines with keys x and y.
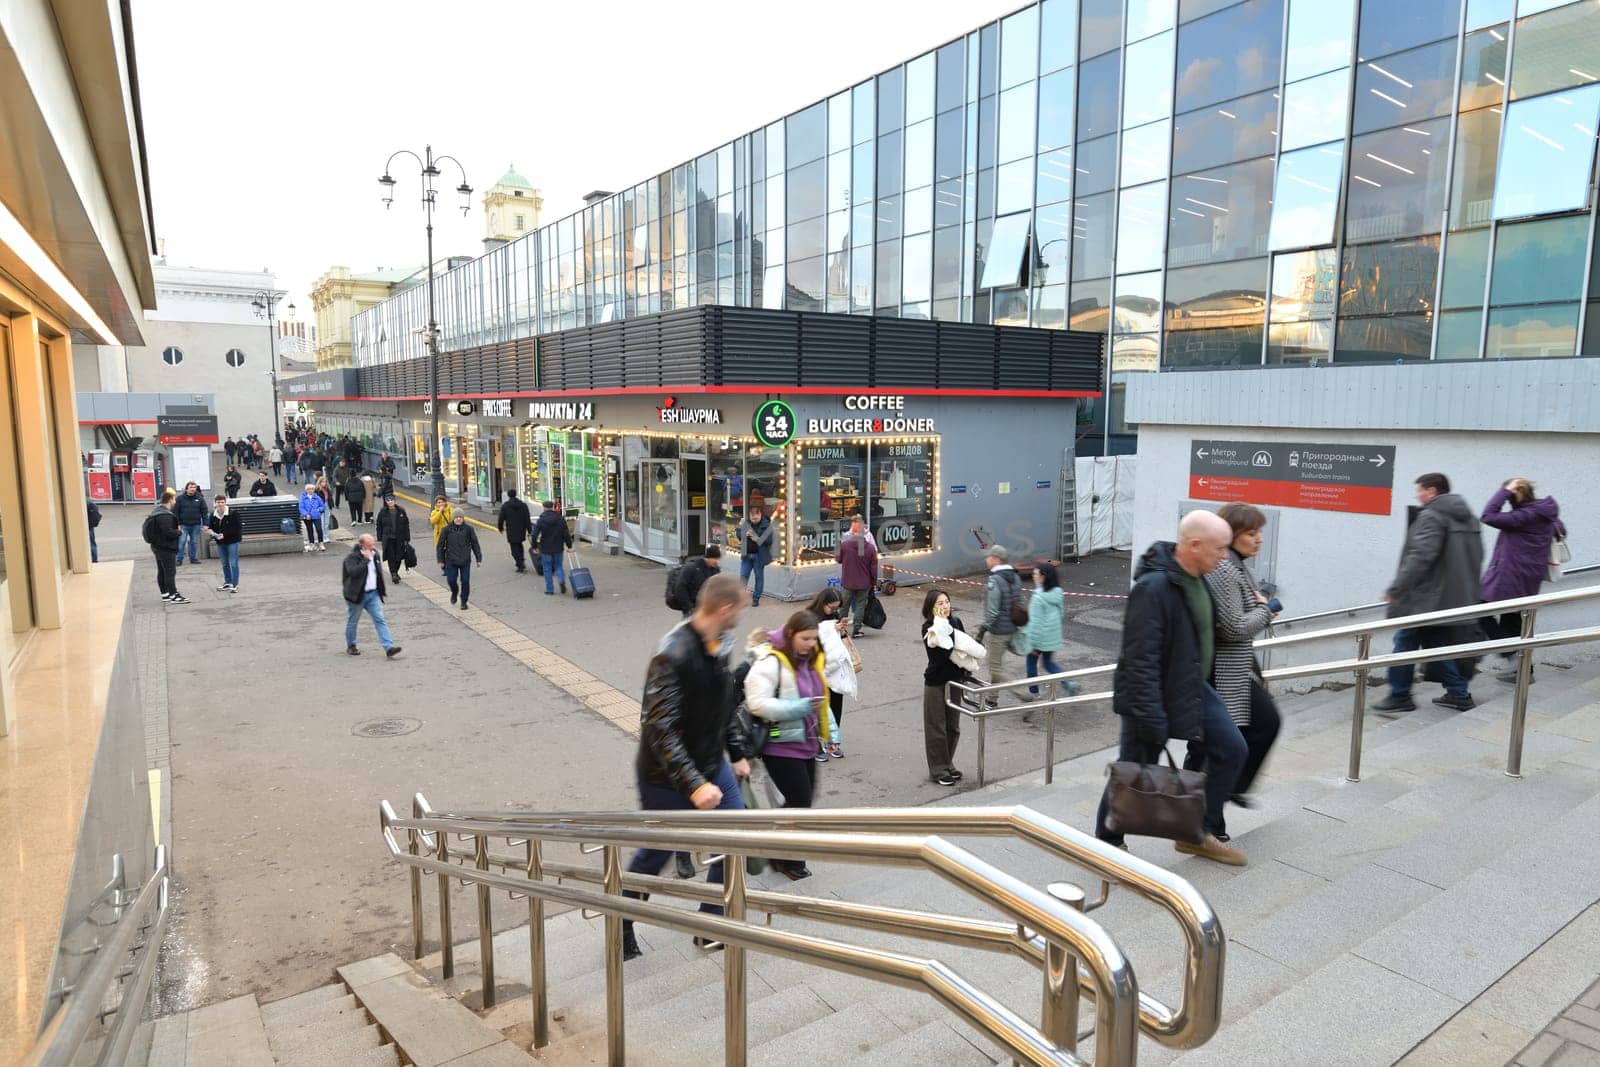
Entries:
{"x":1293,"y":474}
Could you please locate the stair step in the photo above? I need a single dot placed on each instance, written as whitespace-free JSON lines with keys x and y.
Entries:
{"x":316,"y":1014}
{"x":578,"y":1005}
{"x":317,"y":1046}
{"x":841,"y":1037}
{"x":228,"y":1034}
{"x":427,"y":1025}
{"x":934,"y":1042}
{"x":301,"y":1001}
{"x":347,"y":1027}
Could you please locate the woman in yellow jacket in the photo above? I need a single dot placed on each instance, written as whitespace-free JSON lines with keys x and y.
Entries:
{"x":441,"y":516}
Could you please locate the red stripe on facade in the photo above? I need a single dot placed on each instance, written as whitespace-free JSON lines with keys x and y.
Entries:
{"x":743,"y":390}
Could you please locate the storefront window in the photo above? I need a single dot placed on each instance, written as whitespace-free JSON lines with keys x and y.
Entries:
{"x":764,"y":479}
{"x":832,"y":485}
{"x":724,"y":488}
{"x":903,"y":495}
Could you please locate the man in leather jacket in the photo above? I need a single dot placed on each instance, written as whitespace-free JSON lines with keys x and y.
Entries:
{"x":689,"y":733}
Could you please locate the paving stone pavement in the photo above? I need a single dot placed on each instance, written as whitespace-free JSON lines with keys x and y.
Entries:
{"x":1571,"y":1040}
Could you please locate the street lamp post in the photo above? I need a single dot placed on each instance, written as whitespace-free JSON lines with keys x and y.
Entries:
{"x":429,"y":164}
{"x":264,"y":303}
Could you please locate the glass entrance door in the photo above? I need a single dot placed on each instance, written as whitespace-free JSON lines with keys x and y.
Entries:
{"x":661,"y":495}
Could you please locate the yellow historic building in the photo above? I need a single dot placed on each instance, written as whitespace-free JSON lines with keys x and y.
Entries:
{"x":337,"y":296}
{"x":510,"y":209}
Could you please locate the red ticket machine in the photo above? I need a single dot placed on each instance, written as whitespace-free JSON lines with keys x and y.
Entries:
{"x":144,"y":476}
{"x":98,"y":468}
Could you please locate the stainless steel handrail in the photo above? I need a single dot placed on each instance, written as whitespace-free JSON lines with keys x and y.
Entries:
{"x":1192,"y":1023}
{"x":70,"y":1026}
{"x":1297,"y":620}
{"x":1063,"y":928}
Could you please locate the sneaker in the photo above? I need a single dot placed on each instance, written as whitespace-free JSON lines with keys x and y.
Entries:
{"x":1510,"y":677}
{"x":353,"y":650}
{"x":955,"y":774}
{"x":1395,"y":705}
{"x":463,"y":605}
{"x":835,"y":751}
{"x":166,"y":596}
{"x":224,"y":588}
{"x":795,"y":871}
{"x":855,"y":633}
{"x":821,"y":756}
{"x":1212,"y":849}
{"x":1462,"y":703}
{"x":685,"y":865}
{"x":233,"y":589}
{"x":708,"y":944}
{"x":630,"y":945}
{"x":549,"y":592}
{"x":947,"y":779}
{"x":180,"y":599}
{"x":392,"y":651}
{"x":322,"y":546}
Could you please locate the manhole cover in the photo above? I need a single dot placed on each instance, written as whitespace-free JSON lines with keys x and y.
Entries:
{"x":393,"y":727}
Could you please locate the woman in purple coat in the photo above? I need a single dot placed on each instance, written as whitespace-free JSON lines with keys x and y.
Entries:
{"x":1521,"y":554}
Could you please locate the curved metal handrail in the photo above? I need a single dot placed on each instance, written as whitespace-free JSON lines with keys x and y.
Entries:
{"x":1115,"y":987}
{"x":1358,"y":609}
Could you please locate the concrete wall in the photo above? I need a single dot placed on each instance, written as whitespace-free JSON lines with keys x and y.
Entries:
{"x":243,"y":394}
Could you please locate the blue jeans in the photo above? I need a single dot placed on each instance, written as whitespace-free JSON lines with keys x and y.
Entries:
{"x":229,"y":554}
{"x":660,"y":798}
{"x":189,"y":539}
{"x":372,"y":604}
{"x":552,"y":571}
{"x":748,"y":564}
{"x":94,"y":549}
{"x":294,"y":475}
{"x":458,"y":576}
{"x":1034,"y":659}
{"x":1411,"y":639}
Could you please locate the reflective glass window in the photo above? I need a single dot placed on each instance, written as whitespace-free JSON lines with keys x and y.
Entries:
{"x":1382,"y":340}
{"x":951,"y":88}
{"x":1232,"y":53}
{"x":1533,"y":7}
{"x":1304,"y":285}
{"x":920,"y":88}
{"x":1147,"y":81}
{"x":725,"y":169}
{"x":1485,"y":12}
{"x":1477,"y":156}
{"x":1091,"y":237}
{"x":838,"y":231}
{"x":1140,"y":235}
{"x":1019,"y":47}
{"x":805,"y":285}
{"x":1546,"y":153}
{"x":1089,"y":306}
{"x":889,"y":163}
{"x":988,"y":61}
{"x":1458,"y":334}
{"x":1397,"y":182}
{"x":1189,"y":10}
{"x":1591,"y":331}
{"x":887,"y":289}
{"x":1050,"y":307}
{"x":1016,"y":122}
{"x":1216,"y":346}
{"x":1137,"y":308}
{"x":916,"y":269}
{"x":1144,"y":153}
{"x":839,"y":181}
{"x":919,"y":154}
{"x":863,"y":107}
{"x":1314,"y":110}
{"x":1225,"y":132}
{"x":1594,"y":268}
{"x":1218,"y":295}
{"x":1395,"y":278}
{"x":1390,"y":28}
{"x":947,"y":262}
{"x":949,"y":129}
{"x":1147,"y":17}
{"x":1540,"y":261}
{"x":888,"y":218}
{"x":1008,"y":242}
{"x":1130,"y":353}
{"x":891,"y":100}
{"x":1299,"y":343}
{"x":917,"y":208}
{"x":839,"y":122}
{"x":1483,"y":68}
{"x":1054,"y":180}
{"x":1557,"y":50}
{"x":1096,"y":169}
{"x":1466,"y":263}
{"x":1097,"y":97}
{"x":861,"y":279}
{"x":1222,"y":214}
{"x":985,"y":193}
{"x":1306,"y":198}
{"x":1319,"y":36}
{"x":1405,"y":88}
{"x":1056,"y":92}
{"x":1052,"y":240}
{"x":775,"y":211}
{"x":1532,"y":332}
{"x":1010,"y":307}
{"x":806,"y":239}
{"x":987,"y":113}
{"x":947,"y":203}
{"x":807,"y":135}
{"x":705,"y":177}
{"x":1058,"y":35}
{"x":1101,"y":27}
{"x":807,"y":191}
{"x":1014,"y":187}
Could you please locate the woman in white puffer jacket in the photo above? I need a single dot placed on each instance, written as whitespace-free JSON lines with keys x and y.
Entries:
{"x":839,"y":662}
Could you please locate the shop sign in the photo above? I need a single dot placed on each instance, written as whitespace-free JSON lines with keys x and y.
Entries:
{"x":186,"y":429}
{"x":775,"y":424}
{"x":561,"y":410}
{"x":1350,"y":478}
{"x":463,"y":407}
{"x":859,"y":424}
{"x":495,"y":409}
{"x":958,"y":490}
{"x":673,"y":415}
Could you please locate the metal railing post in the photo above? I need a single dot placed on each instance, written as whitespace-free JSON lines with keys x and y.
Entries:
{"x":1358,"y":713}
{"x":615,"y":1031}
{"x":414,"y":847}
{"x":447,"y":948}
{"x":734,"y":995}
{"x":1519,"y":702}
{"x":1050,"y":745}
{"x":1060,"y":1016}
{"x":536,"y":976}
{"x":480,"y":860}
{"x":983,"y":723}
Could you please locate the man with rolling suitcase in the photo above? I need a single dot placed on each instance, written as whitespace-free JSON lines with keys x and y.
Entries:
{"x":551,"y":538}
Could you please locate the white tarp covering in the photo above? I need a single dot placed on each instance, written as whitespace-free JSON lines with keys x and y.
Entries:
{"x":1105,"y":502}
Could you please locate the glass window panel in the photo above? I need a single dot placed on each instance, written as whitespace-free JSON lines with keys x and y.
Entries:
{"x":1089,"y":306}
{"x":988,"y":60}
{"x":772,"y":287}
{"x":949,"y":129}
{"x":806,"y":239}
{"x":1547,"y":153}
{"x":1019,"y":47}
{"x":986,"y":193}
{"x":1096,"y":169}
{"x":1055,"y":109}
{"x":889,"y":163}
{"x":863,"y":219}
{"x":839,"y":181}
{"x":1138,"y":303}
{"x":1010,"y":307}
{"x":1298,"y":343}
{"x":1319,"y":36}
{"x":1389,"y":28}
{"x":1146,"y":17}
{"x":1466,"y":263}
{"x":1222,"y":214}
{"x":1147,"y":81}
{"x":1140,"y":212}
{"x":952,"y":75}
{"x":1007,"y":244}
{"x":1389,"y":279}
{"x":1052,"y":241}
{"x":947,"y":262}
{"x":919,"y":88}
{"x":1383,"y":340}
{"x":1014,"y":189}
{"x":1306,"y":198}
{"x":1459,"y":334}
{"x":1017,"y":135}
{"x":1533,"y":7}
{"x":807,"y":134}
{"x":891,"y":100}
{"x":725,"y":217}
{"x":1097,"y":97}
{"x":805,"y":285}
{"x":1304,"y":285}
{"x":1054,"y":177}
{"x":1232,"y":53}
{"x":1091,"y":237}
{"x":1058,"y":36}
{"x":861,"y":179}
{"x":1532,"y":332}
{"x":1405,"y":88}
{"x":775,"y":212}
{"x":917,"y":208}
{"x":1225,"y":133}
{"x":1539,"y":261}
{"x":725,"y":169}
{"x":839,"y":122}
{"x":1314,"y":110}
{"x":916,"y":266}
{"x":1134,"y":353}
{"x":947,"y":203}
{"x":807,"y":193}
{"x":1189,"y":10}
{"x":1101,"y":28}
{"x":1144,"y":153}
{"x":705,"y":174}
{"x":888,"y":280}
{"x":839,"y":231}
{"x":1594,"y":268}
{"x":1485,"y":12}
{"x":1050,"y":307}
{"x":1477,"y":156}
{"x":1557,"y":50}
{"x":861,"y":279}
{"x":863,"y":103}
{"x":919,"y":154}
{"x":888,"y":218}
{"x":1591,"y":331}
{"x":1217,"y":346}
{"x":985,"y":113}
{"x":1397,"y":182}
{"x":1483,"y":68}
{"x":1219,"y":296}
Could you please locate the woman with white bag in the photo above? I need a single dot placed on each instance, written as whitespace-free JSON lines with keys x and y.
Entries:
{"x":952,"y":657}
{"x":840,"y":664}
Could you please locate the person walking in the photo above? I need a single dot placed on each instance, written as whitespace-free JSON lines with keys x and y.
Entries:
{"x":440,"y":517}
{"x":755,"y":541}
{"x":291,"y":463}
{"x":231,"y":481}
{"x":191,"y":514}
{"x":694,"y":574}
{"x":787,"y":697}
{"x":162,"y":535}
{"x":94,"y":521}
{"x":258,"y":453}
{"x":275,"y":457}
{"x":227,"y":532}
{"x":839,"y":662}
{"x":551,"y":539}
{"x":312,"y":509}
{"x":857,"y":557}
{"x":1438,"y":570}
{"x":1521,"y":559}
{"x":364,"y":591}
{"x":325,"y":491}
{"x":355,"y":494}
{"x":951,"y":656}
{"x":514,"y":521}
{"x":340,"y":474}
{"x":230,"y":450}
{"x":1161,"y":688}
{"x":369,"y":497}
{"x":1242,"y":613}
{"x":1002,"y":594}
{"x":691,"y":745}
{"x":263,"y":486}
{"x":394,"y":535}
{"x":457,"y":549}
{"x":1043,"y":634}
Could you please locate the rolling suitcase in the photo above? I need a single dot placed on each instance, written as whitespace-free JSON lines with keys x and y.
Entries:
{"x":579,"y":578}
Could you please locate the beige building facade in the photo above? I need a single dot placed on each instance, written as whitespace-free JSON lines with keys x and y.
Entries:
{"x":337,"y":297}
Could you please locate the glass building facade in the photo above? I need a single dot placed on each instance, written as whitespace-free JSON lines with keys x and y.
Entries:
{"x":1210,"y":183}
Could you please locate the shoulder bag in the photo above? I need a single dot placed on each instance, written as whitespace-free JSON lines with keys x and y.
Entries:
{"x":1560,"y":555}
{"x":1149,"y":800}
{"x":874,"y":615}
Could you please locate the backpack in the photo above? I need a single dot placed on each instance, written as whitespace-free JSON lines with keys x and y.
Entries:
{"x":755,"y":734}
{"x":1019,"y":606}
{"x":150,"y":530}
{"x":672,"y":598}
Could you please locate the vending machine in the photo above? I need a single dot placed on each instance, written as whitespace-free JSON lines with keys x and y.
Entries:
{"x":97,"y":465}
{"x":144,"y":475}
{"x":121,"y":467}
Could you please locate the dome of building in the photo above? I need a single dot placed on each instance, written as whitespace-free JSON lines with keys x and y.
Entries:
{"x":515,"y":180}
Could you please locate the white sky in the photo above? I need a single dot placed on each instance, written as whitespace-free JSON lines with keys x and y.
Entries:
{"x":268,"y":124}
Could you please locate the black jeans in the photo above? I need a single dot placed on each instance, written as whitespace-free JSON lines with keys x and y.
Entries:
{"x":1259,"y":735}
{"x":795,"y":778}
{"x":1224,"y":753}
{"x":517,"y":556}
{"x":355,"y":509}
{"x":166,"y":571}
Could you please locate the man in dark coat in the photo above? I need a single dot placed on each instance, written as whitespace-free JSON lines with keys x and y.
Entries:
{"x":394,"y":534}
{"x":457,"y":550}
{"x":551,"y":539}
{"x":263,"y":486}
{"x":1438,"y":570}
{"x":1162,"y":688}
{"x":364,"y":591}
{"x":696,"y":573}
{"x":355,"y":493}
{"x":515,"y":521}
{"x":161,"y":533}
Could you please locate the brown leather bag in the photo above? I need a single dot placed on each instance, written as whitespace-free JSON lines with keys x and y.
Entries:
{"x":1149,"y":800}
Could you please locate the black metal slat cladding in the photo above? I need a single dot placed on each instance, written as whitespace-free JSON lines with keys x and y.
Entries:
{"x":966,"y":356}
{"x":1077,"y":361}
{"x":835,"y":350}
{"x":760,"y":349}
{"x":1023,"y":360}
{"x":906,"y":358}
